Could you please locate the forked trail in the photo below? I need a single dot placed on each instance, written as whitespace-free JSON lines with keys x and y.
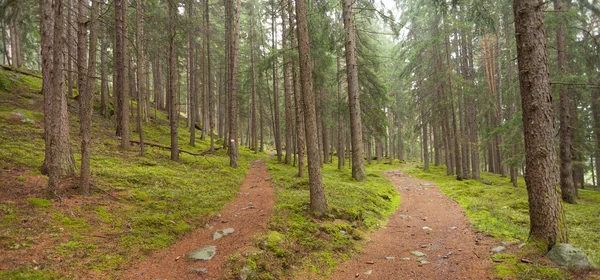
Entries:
{"x":247,"y":215}
{"x":428,"y":237}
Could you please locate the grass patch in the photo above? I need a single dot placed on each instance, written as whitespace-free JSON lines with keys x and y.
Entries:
{"x":299,"y":243}
{"x":144,"y":203}
{"x":500,"y":210}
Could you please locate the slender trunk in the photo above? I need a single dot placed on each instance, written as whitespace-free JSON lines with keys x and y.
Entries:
{"x":173,"y":96}
{"x":318,"y":202}
{"x":566,"y":131}
{"x":140,"y":72}
{"x":289,"y":118}
{"x":277,"y":123}
{"x":81,"y":43}
{"x":340,"y":147}
{"x":425,"y":138}
{"x":253,"y":86}
{"x":104,"y":77}
{"x":358,"y":165}
{"x":300,"y":142}
{"x":234,"y":18}
{"x":86,"y":100}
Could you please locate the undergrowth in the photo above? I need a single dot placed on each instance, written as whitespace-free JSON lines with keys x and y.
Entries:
{"x":500,"y":210}
{"x":138,"y":205}
{"x":298,"y":243}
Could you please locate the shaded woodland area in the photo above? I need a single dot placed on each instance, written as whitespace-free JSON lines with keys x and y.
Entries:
{"x":504,"y":87}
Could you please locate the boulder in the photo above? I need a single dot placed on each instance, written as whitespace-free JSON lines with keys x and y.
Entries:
{"x":568,"y":257}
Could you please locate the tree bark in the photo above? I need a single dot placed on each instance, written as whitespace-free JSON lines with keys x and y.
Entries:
{"x":86,"y":100}
{"x":300,"y":135}
{"x":141,"y":85}
{"x":340,"y":130}
{"x":318,"y":202}
{"x":277,"y":123}
{"x":173,"y":96}
{"x":566,"y":131}
{"x":289,"y":117}
{"x":120,"y":89}
{"x":545,"y":207}
{"x":104,"y":76}
{"x":234,"y":18}
{"x":58,"y":160}
{"x":358,"y":163}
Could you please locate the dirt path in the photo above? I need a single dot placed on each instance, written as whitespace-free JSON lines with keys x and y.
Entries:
{"x":247,"y":215}
{"x":428,"y":222}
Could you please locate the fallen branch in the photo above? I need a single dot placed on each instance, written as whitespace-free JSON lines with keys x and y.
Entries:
{"x":575,"y":84}
{"x":180,"y":150}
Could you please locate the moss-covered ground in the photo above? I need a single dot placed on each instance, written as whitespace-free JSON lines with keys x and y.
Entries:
{"x":498,"y":209}
{"x":138,"y":205}
{"x":299,"y":243}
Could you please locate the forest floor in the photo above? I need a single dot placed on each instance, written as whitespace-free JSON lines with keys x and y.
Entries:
{"x":247,"y":215}
{"x":428,"y":237}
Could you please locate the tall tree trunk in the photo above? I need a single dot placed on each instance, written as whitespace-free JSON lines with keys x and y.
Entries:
{"x":209,"y":84}
{"x":289,"y":117}
{"x":173,"y":83}
{"x":318,"y":202}
{"x":566,"y":131}
{"x":545,"y":206}
{"x":358,"y":163}
{"x":58,"y":160}
{"x":104,"y":76}
{"x":120,"y":59}
{"x":70,"y":48}
{"x":340,"y":147}
{"x":253,"y":85}
{"x":81,"y":44}
{"x":234,"y":19}
{"x":141,"y":85}
{"x":277,"y":123}
{"x":86,"y":100}
{"x":425,"y":139}
{"x":300,"y":142}
{"x":191,"y":78}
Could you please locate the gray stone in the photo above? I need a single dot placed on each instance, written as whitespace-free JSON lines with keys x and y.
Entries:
{"x":245,"y":272}
{"x":427,"y":228}
{"x":405,"y":259}
{"x":423,"y":262}
{"x":390,"y":258}
{"x":567,"y":256}
{"x":418,"y":253}
{"x":205,"y":253}
{"x":498,"y":249}
{"x":198,"y":271}
{"x":224,"y":232}
{"x":368,"y":272}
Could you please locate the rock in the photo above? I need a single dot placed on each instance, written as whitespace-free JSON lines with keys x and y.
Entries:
{"x":522,"y":245}
{"x":418,"y":254}
{"x":390,"y":258}
{"x":405,"y":217}
{"x":245,"y":272}
{"x":343,"y":232}
{"x":453,"y":228}
{"x":198,"y":271}
{"x":205,"y":253}
{"x":498,"y":249}
{"x":405,"y":259}
{"x":370,"y":262}
{"x":569,"y":257}
{"x":423,"y":262}
{"x":368,"y":272}
{"x":220,"y":233}
{"x":427,"y":228}
{"x":253,"y":186}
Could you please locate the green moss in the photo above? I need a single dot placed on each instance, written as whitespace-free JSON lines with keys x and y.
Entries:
{"x":39,"y":202}
{"x":76,"y":249}
{"x":29,"y":273}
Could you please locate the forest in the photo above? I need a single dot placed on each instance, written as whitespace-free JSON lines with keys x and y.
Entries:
{"x":304,"y":139}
